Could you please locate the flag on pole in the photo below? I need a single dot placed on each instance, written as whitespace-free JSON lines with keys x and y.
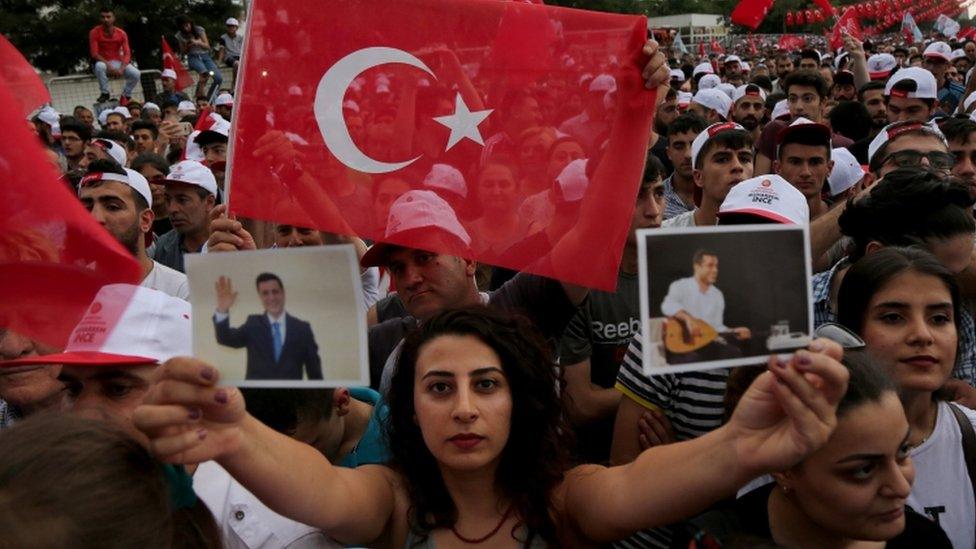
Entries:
{"x":911,"y":31}
{"x":679,"y":44}
{"x":171,"y":61}
{"x":850,"y":22}
{"x":26,"y":87}
{"x":750,"y":13}
{"x":54,"y":256}
{"x":380,"y":109}
{"x":947,"y":26}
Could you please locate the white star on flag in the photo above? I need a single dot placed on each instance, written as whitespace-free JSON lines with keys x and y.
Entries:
{"x":463,"y":123}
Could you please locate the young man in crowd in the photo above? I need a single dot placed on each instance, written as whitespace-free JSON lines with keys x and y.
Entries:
{"x":809,"y":60}
{"x":803,"y":159}
{"x":86,"y":116}
{"x":155,"y":168}
{"x":784,"y":66}
{"x":911,"y":95}
{"x":872,"y":96}
{"x":231,"y":46}
{"x":679,"y":188}
{"x":937,"y":56}
{"x":170,"y":94}
{"x":74,"y":137}
{"x":191,"y":192}
{"x":843,"y":87}
{"x":748,"y":108}
{"x":115,"y":121}
{"x":961,"y":137}
{"x":120,"y":200}
{"x":145,"y":134}
{"x":721,"y":156}
{"x":109,"y":49}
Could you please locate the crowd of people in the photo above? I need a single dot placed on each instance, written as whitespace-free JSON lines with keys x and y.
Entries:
{"x":507,"y":409}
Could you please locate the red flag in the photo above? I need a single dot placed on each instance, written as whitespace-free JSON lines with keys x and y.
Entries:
{"x":750,"y":13}
{"x":828,"y":10}
{"x":53,"y":254}
{"x":26,"y":87}
{"x":383,"y":107}
{"x":789,"y":42}
{"x":701,"y":49}
{"x":171,"y":61}
{"x":849,"y":21}
{"x":716,"y":47}
{"x":752,"y":45}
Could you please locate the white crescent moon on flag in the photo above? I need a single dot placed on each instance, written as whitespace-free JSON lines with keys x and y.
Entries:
{"x":328,"y":105}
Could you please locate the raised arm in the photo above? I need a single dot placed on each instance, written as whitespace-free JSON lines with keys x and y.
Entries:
{"x":292,"y":478}
{"x":787,"y":413}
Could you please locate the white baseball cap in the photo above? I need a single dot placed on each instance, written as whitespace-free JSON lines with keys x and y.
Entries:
{"x":186,"y":106}
{"x":125,"y":325}
{"x":213,"y":123}
{"x":958,"y":54}
{"x":192,"y":172}
{"x":51,"y":117}
{"x":678,"y":74}
{"x":806,"y":126}
{"x":168,"y":73}
{"x":416,"y":209}
{"x":748,"y":89}
{"x":938,"y":49}
{"x":768,"y":196}
{"x":732,"y":58}
{"x":707,"y":134}
{"x":684,"y":99}
{"x":891,"y":131}
{"x":925,"y":86}
{"x":780,"y":109}
{"x":703,"y":68}
{"x":448,"y":178}
{"x":150,"y":106}
{"x":122,"y":111}
{"x":880,"y":65}
{"x":573,"y":181}
{"x":603,"y":83}
{"x":715,"y":100}
{"x":709,"y":81}
{"x":131,"y":178}
{"x":116,"y":151}
{"x":224,"y":99}
{"x":840,"y":58}
{"x":726,"y":88}
{"x":846,"y":173}
{"x":744,"y":66}
{"x":232,"y":22}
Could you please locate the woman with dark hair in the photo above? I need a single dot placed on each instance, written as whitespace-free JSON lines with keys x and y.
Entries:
{"x":194,"y":44}
{"x":853,"y":489}
{"x":905,"y":305}
{"x":480,"y":448}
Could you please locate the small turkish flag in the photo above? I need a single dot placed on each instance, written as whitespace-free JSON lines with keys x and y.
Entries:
{"x":849,"y":21}
{"x":26,"y":87}
{"x":486,"y":109}
{"x":750,"y":13}
{"x":54,"y":256}
{"x":171,"y":61}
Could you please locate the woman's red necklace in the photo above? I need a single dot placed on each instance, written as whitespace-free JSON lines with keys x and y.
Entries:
{"x":487,"y":536}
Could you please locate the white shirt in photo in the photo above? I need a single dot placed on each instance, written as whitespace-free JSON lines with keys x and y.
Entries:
{"x":685,"y":295}
{"x":169,"y":281}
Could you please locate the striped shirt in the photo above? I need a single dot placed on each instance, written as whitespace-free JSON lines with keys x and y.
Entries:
{"x":673,"y":205}
{"x":692,"y":401}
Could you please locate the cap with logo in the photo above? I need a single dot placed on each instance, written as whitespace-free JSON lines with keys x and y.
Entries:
{"x":892,"y":131}
{"x":131,"y":178}
{"x":939,"y":50}
{"x":715,"y":100}
{"x":224,"y":99}
{"x":707,"y":135}
{"x":168,"y":73}
{"x":709,"y":81}
{"x":846,"y":173}
{"x":113,"y":149}
{"x":191,"y":172}
{"x":446,"y":178}
{"x":880,"y":65}
{"x":415,"y":212}
{"x":803,"y":127}
{"x":125,"y":325}
{"x":703,"y":68}
{"x":925,"y":86}
{"x":768,"y":196}
{"x":748,"y":90}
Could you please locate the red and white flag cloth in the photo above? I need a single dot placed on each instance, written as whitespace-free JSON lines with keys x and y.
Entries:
{"x":484,"y":103}
{"x":849,"y":21}
{"x":54,"y":256}
{"x":750,"y":13}
{"x":171,"y":61}
{"x":27,"y":89}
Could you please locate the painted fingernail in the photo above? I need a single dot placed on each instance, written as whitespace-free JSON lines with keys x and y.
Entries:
{"x":195,"y":413}
{"x":207,"y":373}
{"x":221,"y":396}
{"x":201,"y":434}
{"x":803,"y":358}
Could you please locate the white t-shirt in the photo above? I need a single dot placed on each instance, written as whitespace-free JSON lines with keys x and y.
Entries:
{"x":942,"y":489}
{"x":167,"y":280}
{"x":685,"y":295}
{"x":686,"y":219}
{"x":245,"y":522}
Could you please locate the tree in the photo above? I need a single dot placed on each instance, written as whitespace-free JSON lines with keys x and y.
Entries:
{"x":53,"y":34}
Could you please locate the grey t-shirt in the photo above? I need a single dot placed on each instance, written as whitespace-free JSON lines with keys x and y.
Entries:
{"x":192,"y":49}
{"x":233,"y":45}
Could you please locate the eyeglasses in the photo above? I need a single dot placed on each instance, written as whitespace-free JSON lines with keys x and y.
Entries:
{"x":938,"y":160}
{"x":840,"y":335}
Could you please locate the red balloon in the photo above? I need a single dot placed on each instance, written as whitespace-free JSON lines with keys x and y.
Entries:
{"x":789,"y":19}
{"x":809,"y":16}
{"x":819,"y":16}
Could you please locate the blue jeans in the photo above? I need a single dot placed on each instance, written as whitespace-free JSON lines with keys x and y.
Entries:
{"x":130,"y":73}
{"x":203,"y":63}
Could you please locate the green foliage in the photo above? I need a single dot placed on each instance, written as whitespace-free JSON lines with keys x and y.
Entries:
{"x":53,"y":34}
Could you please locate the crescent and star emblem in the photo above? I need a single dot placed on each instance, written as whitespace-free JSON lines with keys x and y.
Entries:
{"x":328,"y":109}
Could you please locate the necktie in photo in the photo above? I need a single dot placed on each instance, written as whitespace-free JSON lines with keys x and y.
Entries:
{"x":276,"y":332}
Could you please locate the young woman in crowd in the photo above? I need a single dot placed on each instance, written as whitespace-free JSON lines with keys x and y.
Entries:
{"x":480,"y":449}
{"x":905,"y":305}
{"x":850,"y":492}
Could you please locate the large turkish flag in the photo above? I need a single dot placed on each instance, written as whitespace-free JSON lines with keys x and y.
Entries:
{"x":344,"y":106}
{"x":27,"y":89}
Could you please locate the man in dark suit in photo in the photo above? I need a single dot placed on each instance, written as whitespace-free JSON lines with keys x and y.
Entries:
{"x":279,"y":346}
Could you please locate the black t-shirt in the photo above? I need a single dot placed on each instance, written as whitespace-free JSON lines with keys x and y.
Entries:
{"x":747,"y":518}
{"x":860,"y":150}
{"x":528,"y":249}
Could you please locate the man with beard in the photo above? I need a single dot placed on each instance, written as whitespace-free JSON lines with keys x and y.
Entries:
{"x":664,"y":116}
{"x":961,"y":136}
{"x":872,"y":96}
{"x":679,"y":188}
{"x":784,"y":66}
{"x":843,"y":88}
{"x":120,"y":200}
{"x":748,"y":106}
